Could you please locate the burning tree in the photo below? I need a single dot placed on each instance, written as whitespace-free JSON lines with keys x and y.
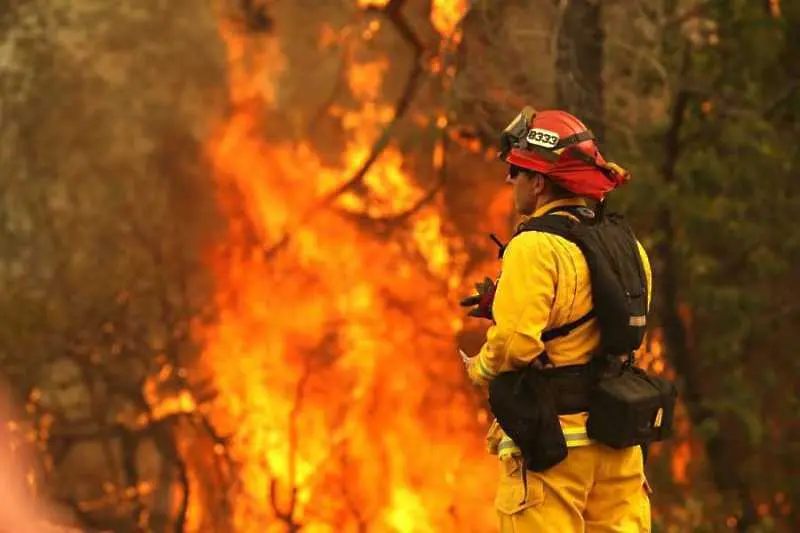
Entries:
{"x":234,"y":308}
{"x":337,"y":293}
{"x":106,"y":213}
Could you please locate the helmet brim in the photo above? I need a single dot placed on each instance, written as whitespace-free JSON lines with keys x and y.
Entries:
{"x":530,"y":161}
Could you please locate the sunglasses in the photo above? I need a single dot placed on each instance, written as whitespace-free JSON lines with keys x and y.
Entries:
{"x":514,"y":171}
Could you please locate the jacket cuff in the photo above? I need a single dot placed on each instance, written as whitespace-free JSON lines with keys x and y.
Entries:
{"x":478,"y":372}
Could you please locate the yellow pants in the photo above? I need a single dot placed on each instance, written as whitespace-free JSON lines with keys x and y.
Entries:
{"x":596,"y":489}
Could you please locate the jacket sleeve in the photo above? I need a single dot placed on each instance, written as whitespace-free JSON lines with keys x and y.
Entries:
{"x":522,"y":304}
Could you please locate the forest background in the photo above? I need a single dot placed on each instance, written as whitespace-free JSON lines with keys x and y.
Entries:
{"x":233,"y":237}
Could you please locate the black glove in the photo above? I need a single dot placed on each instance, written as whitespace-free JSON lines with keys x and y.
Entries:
{"x":482,"y":302}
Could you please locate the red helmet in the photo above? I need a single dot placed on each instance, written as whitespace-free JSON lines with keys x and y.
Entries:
{"x":560,"y":146}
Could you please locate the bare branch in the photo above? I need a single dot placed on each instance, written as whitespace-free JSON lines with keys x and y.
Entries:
{"x":183,"y":509}
{"x":130,"y":446}
{"x":393,"y":12}
{"x":387,"y":221}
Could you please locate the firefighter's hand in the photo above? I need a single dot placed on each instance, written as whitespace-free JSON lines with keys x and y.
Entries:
{"x":472,"y":367}
{"x":482,"y":301}
{"x":465,"y":359}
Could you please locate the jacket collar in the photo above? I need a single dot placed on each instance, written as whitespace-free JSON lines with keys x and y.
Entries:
{"x":564,"y":202}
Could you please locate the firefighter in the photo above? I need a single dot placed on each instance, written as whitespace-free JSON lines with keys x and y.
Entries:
{"x":544,"y":285}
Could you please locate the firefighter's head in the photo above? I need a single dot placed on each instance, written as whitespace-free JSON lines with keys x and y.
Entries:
{"x":552,"y":154}
{"x":533,"y":189}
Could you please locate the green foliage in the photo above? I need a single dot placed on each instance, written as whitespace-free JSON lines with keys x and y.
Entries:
{"x":735,"y":205}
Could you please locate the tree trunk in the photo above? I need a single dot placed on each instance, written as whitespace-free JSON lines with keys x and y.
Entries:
{"x":579,"y":61}
{"x":722,"y":450}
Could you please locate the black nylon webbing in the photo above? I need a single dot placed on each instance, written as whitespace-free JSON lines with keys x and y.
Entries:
{"x":566,"y":329}
{"x":575,"y":138}
{"x":574,"y":210}
{"x":563,"y":231}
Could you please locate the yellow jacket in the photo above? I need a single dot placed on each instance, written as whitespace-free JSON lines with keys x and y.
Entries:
{"x":544,"y":284}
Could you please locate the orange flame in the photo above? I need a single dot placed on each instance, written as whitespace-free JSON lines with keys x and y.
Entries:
{"x":333,"y":352}
{"x":446,"y":14}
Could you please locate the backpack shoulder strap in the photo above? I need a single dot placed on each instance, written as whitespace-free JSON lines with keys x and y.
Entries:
{"x":563,"y":226}
{"x":558,"y":224}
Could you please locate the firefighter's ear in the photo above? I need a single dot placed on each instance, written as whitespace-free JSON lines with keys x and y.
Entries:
{"x":538,"y":183}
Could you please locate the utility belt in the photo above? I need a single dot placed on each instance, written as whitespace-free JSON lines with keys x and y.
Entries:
{"x":626,"y":406}
{"x":571,"y":386}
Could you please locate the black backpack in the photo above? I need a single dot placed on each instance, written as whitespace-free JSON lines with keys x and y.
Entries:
{"x":626,"y":406}
{"x":619,"y":285}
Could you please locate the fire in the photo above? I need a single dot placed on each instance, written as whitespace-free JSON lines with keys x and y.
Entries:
{"x":652,"y":354}
{"x":333,"y":352}
{"x":684,"y":445}
{"x":446,"y":14}
{"x":334,"y":349}
{"x":371,"y":3}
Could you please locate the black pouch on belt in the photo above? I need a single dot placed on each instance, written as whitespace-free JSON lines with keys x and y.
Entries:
{"x":524,"y":406}
{"x":631,"y":408}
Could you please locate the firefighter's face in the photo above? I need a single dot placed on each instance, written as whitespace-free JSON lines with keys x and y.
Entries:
{"x":528,"y":188}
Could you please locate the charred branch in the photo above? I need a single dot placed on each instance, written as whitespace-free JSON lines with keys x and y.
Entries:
{"x":274,"y":249}
{"x":203,"y":422}
{"x":287,"y":516}
{"x":254,"y":16}
{"x":389,"y":222}
{"x":393,"y":12}
{"x":159,"y":428}
{"x":183,"y":508}
{"x":130,"y":446}
{"x":165,"y":443}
